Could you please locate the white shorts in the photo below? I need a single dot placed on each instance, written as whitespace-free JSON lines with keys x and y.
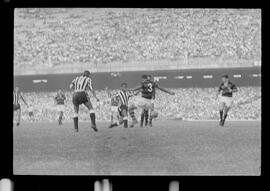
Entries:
{"x":227,"y":100}
{"x":144,"y":103}
{"x":114,"y":109}
{"x":60,"y":108}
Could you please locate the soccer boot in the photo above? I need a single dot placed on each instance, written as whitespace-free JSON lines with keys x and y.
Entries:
{"x":94,"y":127}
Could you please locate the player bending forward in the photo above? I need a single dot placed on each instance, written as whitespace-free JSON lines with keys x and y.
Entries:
{"x":17,"y":95}
{"x":225,"y":94}
{"x":145,"y":102}
{"x":123,"y":98}
{"x":60,"y":101}
{"x":81,"y":85}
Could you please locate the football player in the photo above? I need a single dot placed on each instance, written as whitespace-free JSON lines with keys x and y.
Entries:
{"x":225,"y":95}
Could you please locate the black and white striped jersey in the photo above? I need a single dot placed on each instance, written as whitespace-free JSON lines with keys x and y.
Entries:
{"x":81,"y":83}
{"x":124,"y":96}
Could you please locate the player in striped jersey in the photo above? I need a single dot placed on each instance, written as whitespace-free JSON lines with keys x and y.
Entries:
{"x":81,"y":85}
{"x":17,"y":95}
{"x":123,"y":96}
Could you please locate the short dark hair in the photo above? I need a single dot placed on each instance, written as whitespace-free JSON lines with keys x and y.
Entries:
{"x":144,"y":76}
{"x":225,"y":76}
{"x":124,"y":84}
{"x":86,"y":73}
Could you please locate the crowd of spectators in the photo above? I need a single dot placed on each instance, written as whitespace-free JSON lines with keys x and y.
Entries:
{"x":187,"y":104}
{"x":53,"y":37}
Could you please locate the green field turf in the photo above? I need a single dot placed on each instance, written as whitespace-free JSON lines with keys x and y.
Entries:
{"x":168,"y":148}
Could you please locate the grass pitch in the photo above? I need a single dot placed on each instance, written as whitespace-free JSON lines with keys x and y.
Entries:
{"x":168,"y":148}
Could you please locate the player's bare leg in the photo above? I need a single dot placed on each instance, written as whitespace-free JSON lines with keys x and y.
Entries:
{"x":132,"y":115}
{"x":221,"y":111}
{"x":225,"y":114}
{"x":142,"y":117}
{"x":18,"y":117}
{"x":116,"y":122}
{"x":125,"y":118}
{"x":60,"y":118}
{"x":92,"y":115}
{"x":146,"y":116}
{"x":151,"y":117}
{"x":76,"y":118}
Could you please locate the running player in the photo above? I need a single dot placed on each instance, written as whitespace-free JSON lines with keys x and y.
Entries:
{"x":17,"y":95}
{"x":225,"y":93}
{"x":123,"y":96}
{"x":60,"y":101}
{"x":81,"y":85}
{"x":148,"y":88}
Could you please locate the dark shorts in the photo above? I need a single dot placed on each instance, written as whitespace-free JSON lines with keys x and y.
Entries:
{"x":122,"y":108}
{"x":16,"y":107}
{"x":80,"y":98}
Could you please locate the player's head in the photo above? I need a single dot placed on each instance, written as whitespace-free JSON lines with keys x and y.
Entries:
{"x":144,"y":77}
{"x":86,"y":73}
{"x":225,"y":78}
{"x":59,"y":91}
{"x":124,"y":86}
{"x":149,"y":77}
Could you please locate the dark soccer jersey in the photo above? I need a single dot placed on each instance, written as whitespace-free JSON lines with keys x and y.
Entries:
{"x":114,"y":101}
{"x":60,"y":98}
{"x":225,"y":89}
{"x":148,"y":89}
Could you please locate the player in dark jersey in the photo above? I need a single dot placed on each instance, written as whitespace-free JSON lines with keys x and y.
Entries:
{"x":148,"y":91}
{"x":123,"y":96}
{"x":114,"y":102}
{"x":60,"y":101}
{"x":17,"y":95}
{"x":81,"y":85}
{"x":225,"y":94}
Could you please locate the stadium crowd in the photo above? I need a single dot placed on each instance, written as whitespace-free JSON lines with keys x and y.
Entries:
{"x":187,"y":104}
{"x":53,"y":37}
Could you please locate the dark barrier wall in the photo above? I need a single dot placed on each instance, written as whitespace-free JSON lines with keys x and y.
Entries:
{"x":169,"y":79}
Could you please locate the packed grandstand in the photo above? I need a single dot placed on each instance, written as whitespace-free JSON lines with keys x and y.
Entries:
{"x":59,"y":37}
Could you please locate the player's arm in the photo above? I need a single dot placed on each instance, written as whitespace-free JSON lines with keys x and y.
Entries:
{"x":92,"y":90}
{"x":165,"y":90}
{"x":219,"y":91}
{"x":232,"y":88}
{"x":138,"y":88}
{"x":23,"y":100}
{"x":71,"y":86}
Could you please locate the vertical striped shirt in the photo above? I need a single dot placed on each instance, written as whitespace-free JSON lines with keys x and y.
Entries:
{"x":124,"y":96}
{"x":81,"y":83}
{"x":16,"y":97}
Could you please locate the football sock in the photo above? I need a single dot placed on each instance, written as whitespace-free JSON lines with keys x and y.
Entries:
{"x":224,"y":118}
{"x":146,"y":117}
{"x":113,"y":125}
{"x":142,"y":119}
{"x":221,"y":115}
{"x":76,"y":119}
{"x":93,"y":118}
{"x":125,"y":119}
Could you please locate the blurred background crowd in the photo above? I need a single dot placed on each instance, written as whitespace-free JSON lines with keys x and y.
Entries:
{"x":187,"y":104}
{"x":58,"y":37}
